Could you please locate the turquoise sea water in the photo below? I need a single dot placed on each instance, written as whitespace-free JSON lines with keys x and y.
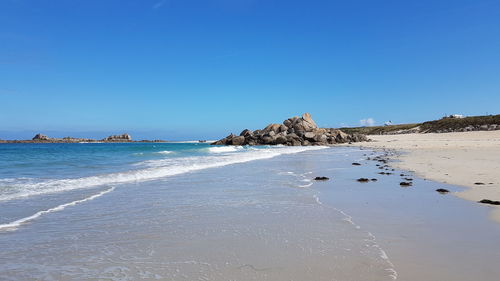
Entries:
{"x":37,"y":169}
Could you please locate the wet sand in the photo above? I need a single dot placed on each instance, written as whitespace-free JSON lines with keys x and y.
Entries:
{"x":470,"y":159}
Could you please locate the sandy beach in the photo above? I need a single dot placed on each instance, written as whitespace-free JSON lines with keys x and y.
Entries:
{"x":469,"y":159}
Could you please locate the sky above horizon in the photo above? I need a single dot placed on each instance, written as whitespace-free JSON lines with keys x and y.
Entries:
{"x":191,"y":69}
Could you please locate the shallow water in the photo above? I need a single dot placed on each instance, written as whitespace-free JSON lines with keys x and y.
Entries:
{"x":263,"y":219}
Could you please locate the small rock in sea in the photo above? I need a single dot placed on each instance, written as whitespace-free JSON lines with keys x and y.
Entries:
{"x":442,"y":190}
{"x":363,"y":180}
{"x":321,"y":178}
{"x":491,"y":202}
{"x":356,"y":164}
{"x":373,"y":179}
{"x":402,"y":175}
{"x":408,"y":179}
{"x":479,"y":183}
{"x":377,"y":165}
{"x":404,"y":183}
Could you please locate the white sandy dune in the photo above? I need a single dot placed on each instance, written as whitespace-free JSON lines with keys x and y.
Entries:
{"x":462,"y":159}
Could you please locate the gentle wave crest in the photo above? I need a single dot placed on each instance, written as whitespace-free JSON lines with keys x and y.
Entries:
{"x":224,"y":149}
{"x":165,"y":152}
{"x":15,"y":224}
{"x":151,"y":170}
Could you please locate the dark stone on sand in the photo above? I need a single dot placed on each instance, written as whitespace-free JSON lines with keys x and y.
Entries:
{"x":321,"y":178}
{"x":356,"y":164}
{"x":479,"y":183}
{"x":404,"y":183}
{"x":491,"y":202}
{"x":363,"y":180}
{"x":442,"y":190}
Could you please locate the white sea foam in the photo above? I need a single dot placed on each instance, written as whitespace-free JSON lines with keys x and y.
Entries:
{"x":373,"y":243}
{"x":303,"y":178}
{"x":151,"y":170}
{"x":165,"y":152}
{"x":316,"y":197}
{"x":15,"y":224}
{"x":224,"y":149}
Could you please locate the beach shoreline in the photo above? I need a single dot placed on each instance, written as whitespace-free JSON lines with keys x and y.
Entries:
{"x":468,"y":159}
{"x":245,"y":215}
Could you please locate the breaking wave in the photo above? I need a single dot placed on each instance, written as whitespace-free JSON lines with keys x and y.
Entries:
{"x":15,"y":224}
{"x":149,"y":170}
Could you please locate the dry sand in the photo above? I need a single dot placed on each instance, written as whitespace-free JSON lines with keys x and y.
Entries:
{"x":454,"y":158}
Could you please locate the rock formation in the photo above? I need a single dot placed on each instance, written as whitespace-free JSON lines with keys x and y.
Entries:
{"x":295,"y":131}
{"x":118,"y":138}
{"x":40,"y":137}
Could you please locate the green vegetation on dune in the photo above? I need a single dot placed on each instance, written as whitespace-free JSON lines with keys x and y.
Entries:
{"x":377,"y":130}
{"x":446,"y":124}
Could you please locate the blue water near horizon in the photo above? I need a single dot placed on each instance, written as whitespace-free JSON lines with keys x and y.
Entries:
{"x":36,"y":160}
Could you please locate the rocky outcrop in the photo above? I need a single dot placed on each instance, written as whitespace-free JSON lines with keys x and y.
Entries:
{"x":46,"y":139}
{"x":295,"y":131}
{"x":118,"y":138}
{"x":40,"y":137}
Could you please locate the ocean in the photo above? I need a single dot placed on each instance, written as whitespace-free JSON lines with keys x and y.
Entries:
{"x":191,"y":211}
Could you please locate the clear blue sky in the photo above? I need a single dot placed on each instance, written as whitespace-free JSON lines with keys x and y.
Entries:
{"x":186,"y":69}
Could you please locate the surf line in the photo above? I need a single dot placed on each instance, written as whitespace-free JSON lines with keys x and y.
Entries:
{"x":392,"y":269}
{"x":15,"y":224}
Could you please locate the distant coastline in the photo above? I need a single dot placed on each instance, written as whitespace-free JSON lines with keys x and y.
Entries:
{"x":124,"y":138}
